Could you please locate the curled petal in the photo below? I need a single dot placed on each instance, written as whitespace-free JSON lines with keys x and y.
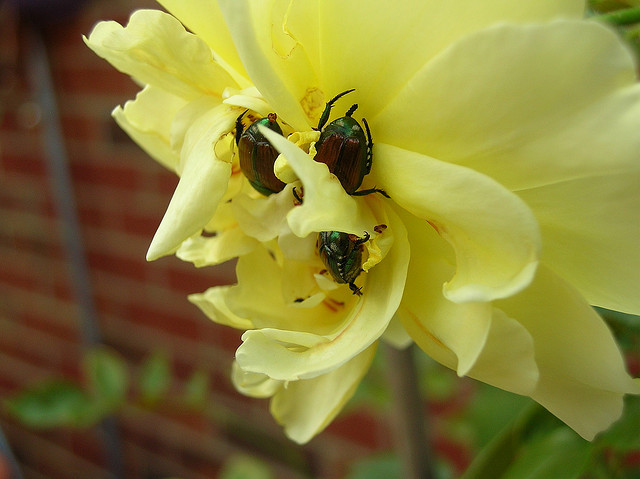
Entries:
{"x":252,"y":384}
{"x":494,"y":234}
{"x":226,"y":245}
{"x":582,"y":372}
{"x":321,"y":188}
{"x":469,"y":337}
{"x":248,"y":99}
{"x":213,"y":303}
{"x":282,"y":356}
{"x":147,"y":120}
{"x":306,"y":407}
{"x":203,"y":183}
{"x":264,"y":218}
{"x":155,"y":49}
{"x":260,"y":297}
{"x":203,"y":17}
{"x":184,"y":120}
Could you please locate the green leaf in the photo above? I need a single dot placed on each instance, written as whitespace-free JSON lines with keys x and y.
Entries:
{"x":624,"y":435}
{"x":245,"y":467}
{"x":377,"y":467}
{"x":492,"y":409}
{"x":155,"y":378}
{"x":107,"y":377}
{"x":499,"y":454}
{"x":52,"y":404}
{"x":562,"y":454}
{"x":196,"y":390}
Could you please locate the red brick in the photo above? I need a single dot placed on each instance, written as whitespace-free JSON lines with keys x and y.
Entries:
{"x":193,"y":280}
{"x":29,"y":165}
{"x":138,"y":224}
{"x":116,"y":177}
{"x":19,"y":279}
{"x":183,"y":326}
{"x":117,"y":265}
{"x":359,"y":427}
{"x":80,"y":128}
{"x":36,"y":321}
{"x":95,"y":79}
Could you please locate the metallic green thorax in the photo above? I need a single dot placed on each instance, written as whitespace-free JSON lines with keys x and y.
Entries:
{"x":257,"y":156}
{"x":341,"y":253}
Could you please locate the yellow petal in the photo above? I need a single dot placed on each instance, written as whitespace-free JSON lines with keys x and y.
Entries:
{"x":306,"y":407}
{"x":184,"y":120}
{"x":494,"y":234}
{"x":591,"y":229}
{"x":571,"y":112}
{"x":155,"y":49}
{"x":321,"y":188}
{"x":287,"y":356}
{"x":147,"y":120}
{"x":213,"y":304}
{"x":203,"y":183}
{"x":207,"y":251}
{"x":252,"y":384}
{"x":263,"y":218}
{"x":470,"y":337}
{"x":582,"y":372}
{"x":225,"y":240}
{"x":276,"y":63}
{"x":357,"y":37}
{"x":260,"y":297}
{"x":203,"y":17}
{"x":396,"y":335}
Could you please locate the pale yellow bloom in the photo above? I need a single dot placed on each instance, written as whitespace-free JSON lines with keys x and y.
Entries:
{"x":505,"y":134}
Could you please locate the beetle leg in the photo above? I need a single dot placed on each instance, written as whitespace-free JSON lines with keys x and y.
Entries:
{"x":351,"y":110}
{"x":369,"y":147}
{"x":362,"y":240}
{"x":369,"y":191}
{"x":239,"y":127}
{"x":327,"y":109}
{"x":297,"y":197}
{"x":357,"y":291}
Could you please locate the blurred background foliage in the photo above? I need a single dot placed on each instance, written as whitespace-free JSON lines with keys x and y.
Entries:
{"x":509,"y":436}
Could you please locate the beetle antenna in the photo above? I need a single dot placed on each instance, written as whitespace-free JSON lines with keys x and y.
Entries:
{"x":339,"y":95}
{"x":239,"y":127}
{"x":327,"y":109}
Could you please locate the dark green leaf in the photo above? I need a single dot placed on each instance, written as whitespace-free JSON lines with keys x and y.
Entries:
{"x":624,"y":435}
{"x":491,"y":410}
{"x":499,"y":454}
{"x":562,"y":454}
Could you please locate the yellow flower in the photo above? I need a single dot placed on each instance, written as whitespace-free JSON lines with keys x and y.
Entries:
{"x":506,"y":136}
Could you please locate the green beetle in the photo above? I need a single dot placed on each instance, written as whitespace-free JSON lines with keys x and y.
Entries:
{"x":341,"y":253}
{"x":345,"y":149}
{"x":257,"y":156}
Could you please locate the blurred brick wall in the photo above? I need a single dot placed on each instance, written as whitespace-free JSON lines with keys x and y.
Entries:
{"x":121,"y":195}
